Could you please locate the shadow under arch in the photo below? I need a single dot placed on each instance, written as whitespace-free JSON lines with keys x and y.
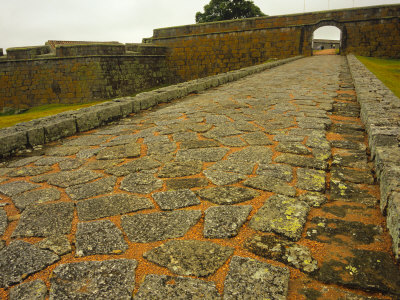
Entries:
{"x":312,"y":28}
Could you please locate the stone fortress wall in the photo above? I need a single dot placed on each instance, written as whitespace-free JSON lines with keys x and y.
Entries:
{"x":70,"y":74}
{"x":205,"y":49}
{"x":84,"y":72}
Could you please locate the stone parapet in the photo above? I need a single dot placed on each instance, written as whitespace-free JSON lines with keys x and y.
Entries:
{"x":27,"y":52}
{"x":146,"y":49}
{"x":90,"y":49}
{"x":380,"y":112}
{"x":43,"y":130}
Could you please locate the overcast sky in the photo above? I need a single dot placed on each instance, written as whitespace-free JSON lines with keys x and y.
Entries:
{"x":33,"y":22}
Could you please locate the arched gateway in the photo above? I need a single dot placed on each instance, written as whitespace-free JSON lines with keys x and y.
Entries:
{"x":342,"y":29}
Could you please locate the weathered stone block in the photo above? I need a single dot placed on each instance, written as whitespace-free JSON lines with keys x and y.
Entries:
{"x":26,"y":259}
{"x":190,"y":257}
{"x":33,"y":290}
{"x":45,"y":220}
{"x":34,"y":130}
{"x":182,"y":90}
{"x":87,"y":119}
{"x":275,"y":248}
{"x":35,"y":135}
{"x":58,"y":128}
{"x":11,"y":140}
{"x":115,"y":204}
{"x":110,"y":279}
{"x":108,"y":111}
{"x":99,"y":237}
{"x":380,"y":136}
{"x":195,"y":86}
{"x":146,"y":228}
{"x":385,"y":157}
{"x":393,"y":222}
{"x":135,"y":105}
{"x":283,"y":215}
{"x":147,"y":100}
{"x":222,"y":79}
{"x":212,"y":81}
{"x":161,"y":287}
{"x":166,"y":94}
{"x":125,"y":105}
{"x":253,"y":279}
{"x":390,"y":182}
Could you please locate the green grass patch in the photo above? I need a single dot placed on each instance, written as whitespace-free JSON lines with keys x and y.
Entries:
{"x":386,"y":70}
{"x":7,"y":120}
{"x":41,"y":111}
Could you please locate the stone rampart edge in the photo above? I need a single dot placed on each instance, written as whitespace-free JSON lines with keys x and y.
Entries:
{"x":380,"y":113}
{"x":265,"y":28}
{"x":239,"y":21}
{"x":52,"y":128}
{"x":53,"y":57}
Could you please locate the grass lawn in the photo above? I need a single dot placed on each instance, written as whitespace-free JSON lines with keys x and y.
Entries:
{"x":387,"y":70}
{"x":39,"y":112}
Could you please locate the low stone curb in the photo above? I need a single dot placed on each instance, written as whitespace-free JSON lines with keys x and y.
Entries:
{"x":43,"y":130}
{"x":380,"y":112}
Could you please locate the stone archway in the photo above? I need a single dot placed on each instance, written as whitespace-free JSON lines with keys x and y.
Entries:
{"x":338,"y":25}
{"x":307,"y":33}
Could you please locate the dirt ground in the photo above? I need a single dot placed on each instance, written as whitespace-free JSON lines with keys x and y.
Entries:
{"x":325,"y":52}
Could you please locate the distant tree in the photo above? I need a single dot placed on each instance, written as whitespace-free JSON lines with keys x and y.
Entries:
{"x":218,"y":10}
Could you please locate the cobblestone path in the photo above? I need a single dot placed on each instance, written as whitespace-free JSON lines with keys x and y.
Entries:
{"x":257,"y":189}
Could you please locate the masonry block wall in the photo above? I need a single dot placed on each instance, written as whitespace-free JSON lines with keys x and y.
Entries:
{"x":34,"y":76}
{"x":202,"y":50}
{"x":206,"y":49}
{"x":378,"y":38}
{"x":76,"y":74}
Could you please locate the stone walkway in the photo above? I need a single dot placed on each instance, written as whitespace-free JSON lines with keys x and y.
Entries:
{"x":257,"y":189}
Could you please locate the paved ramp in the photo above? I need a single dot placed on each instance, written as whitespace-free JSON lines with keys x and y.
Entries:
{"x":257,"y":189}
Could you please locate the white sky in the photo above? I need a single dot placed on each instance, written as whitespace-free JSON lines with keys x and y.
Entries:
{"x":33,"y":22}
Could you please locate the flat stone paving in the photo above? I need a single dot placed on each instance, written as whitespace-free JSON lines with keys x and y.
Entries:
{"x":258,"y":189}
